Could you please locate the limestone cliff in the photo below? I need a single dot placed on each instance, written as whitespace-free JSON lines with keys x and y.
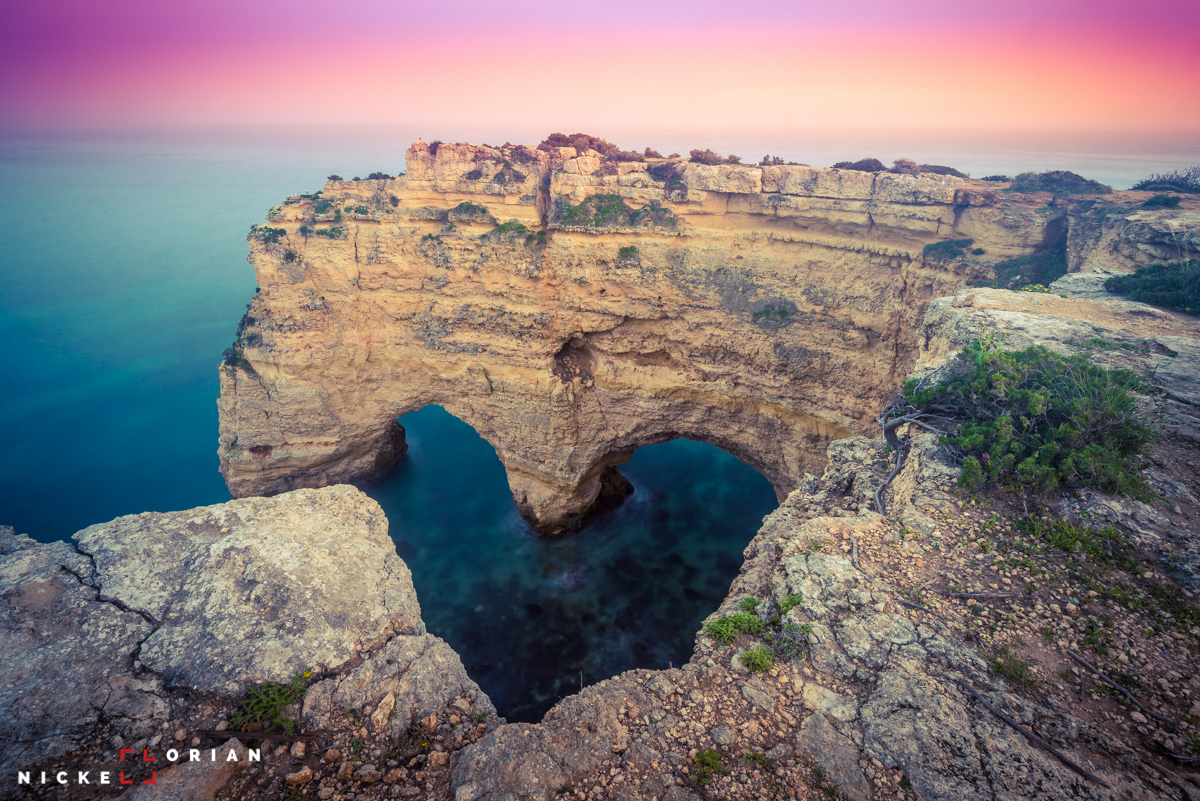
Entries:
{"x":572,"y":309}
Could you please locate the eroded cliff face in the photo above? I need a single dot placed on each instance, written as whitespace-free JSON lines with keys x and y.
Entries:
{"x":573,"y":309}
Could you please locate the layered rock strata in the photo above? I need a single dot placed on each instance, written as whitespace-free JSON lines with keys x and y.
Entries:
{"x":573,"y":309}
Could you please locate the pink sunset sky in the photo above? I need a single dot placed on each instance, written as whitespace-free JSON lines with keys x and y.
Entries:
{"x":1051,"y":65}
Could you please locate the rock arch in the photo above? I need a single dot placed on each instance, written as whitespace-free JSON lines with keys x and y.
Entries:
{"x":587,"y":310}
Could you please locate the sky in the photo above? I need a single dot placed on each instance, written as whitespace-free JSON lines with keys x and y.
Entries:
{"x":1049,"y":65}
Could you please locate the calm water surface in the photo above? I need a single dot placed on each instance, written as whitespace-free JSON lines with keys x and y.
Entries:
{"x":123,"y":274}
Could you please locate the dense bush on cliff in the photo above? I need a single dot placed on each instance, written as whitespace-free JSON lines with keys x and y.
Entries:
{"x":1162,"y":202}
{"x":1185,"y":180}
{"x":1038,"y":420}
{"x":583,"y":142}
{"x":910,"y":167}
{"x":862,"y":165}
{"x":938,"y":169}
{"x":1172,"y":286}
{"x":712,"y":158}
{"x":611,"y":211}
{"x":1060,"y":182}
{"x":266,"y":234}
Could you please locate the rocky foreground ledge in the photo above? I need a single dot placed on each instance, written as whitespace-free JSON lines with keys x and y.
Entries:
{"x":146,"y":632}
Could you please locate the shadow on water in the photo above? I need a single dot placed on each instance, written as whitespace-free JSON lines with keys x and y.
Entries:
{"x":528,"y":614}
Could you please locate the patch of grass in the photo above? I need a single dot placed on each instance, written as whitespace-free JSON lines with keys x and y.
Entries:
{"x":708,"y":764}
{"x":329,"y":233}
{"x":1104,"y":543}
{"x":726,"y":629}
{"x":947,"y":250}
{"x":771,"y":313}
{"x":536,"y":239}
{"x":1034,"y":419}
{"x":759,"y":758}
{"x":264,"y":706}
{"x":821,"y":782}
{"x":1162,"y":202}
{"x":1060,"y":182}
{"x":791,"y":602}
{"x":508,"y":230}
{"x":760,"y":659}
{"x":1013,"y":667}
{"x":1172,"y":286}
{"x":627,"y":252}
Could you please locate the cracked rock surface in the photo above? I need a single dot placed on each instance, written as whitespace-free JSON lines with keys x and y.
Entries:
{"x":103,"y":643}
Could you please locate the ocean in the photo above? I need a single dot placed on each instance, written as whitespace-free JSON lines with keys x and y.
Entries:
{"x":123,"y":275}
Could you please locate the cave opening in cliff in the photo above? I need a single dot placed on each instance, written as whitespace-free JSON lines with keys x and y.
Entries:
{"x":534,"y":616}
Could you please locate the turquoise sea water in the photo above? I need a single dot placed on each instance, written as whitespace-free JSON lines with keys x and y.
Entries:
{"x":123,"y":275}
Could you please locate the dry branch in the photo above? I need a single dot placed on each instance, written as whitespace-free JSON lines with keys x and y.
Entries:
{"x":1116,"y":686}
{"x":1031,"y":737}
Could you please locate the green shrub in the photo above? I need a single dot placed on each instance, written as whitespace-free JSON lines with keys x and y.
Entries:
{"x":1034,"y":419}
{"x":726,"y":629}
{"x":759,"y":659}
{"x":467,"y":207}
{"x":862,"y":165}
{"x":711,"y":158}
{"x":328,"y":233}
{"x":998,"y":178}
{"x":790,"y":603}
{"x":1185,"y":180}
{"x":1060,"y":182}
{"x":1172,"y":286}
{"x":1162,"y":202}
{"x":264,"y":706}
{"x":266,"y":234}
{"x":508,"y":230}
{"x":611,"y":211}
{"x":473,"y":175}
{"x":948,"y":249}
{"x":627,"y":252}
{"x":323,"y":205}
{"x":971,"y":477}
{"x":978,"y":252}
{"x":290,"y":256}
{"x":583,"y":142}
{"x":938,"y":169}
{"x":1013,"y":666}
{"x":708,"y":764}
